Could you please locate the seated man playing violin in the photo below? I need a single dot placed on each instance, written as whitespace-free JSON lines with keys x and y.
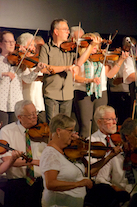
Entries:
{"x":123,"y":177}
{"x":21,"y":188}
{"x":64,"y":181}
{"x":11,"y":79}
{"x":107,"y":125}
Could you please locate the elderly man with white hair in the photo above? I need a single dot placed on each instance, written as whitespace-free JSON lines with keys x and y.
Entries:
{"x":22,"y":189}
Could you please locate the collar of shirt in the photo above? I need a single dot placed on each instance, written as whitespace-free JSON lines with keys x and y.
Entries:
{"x":104,"y":136}
{"x":21,"y":128}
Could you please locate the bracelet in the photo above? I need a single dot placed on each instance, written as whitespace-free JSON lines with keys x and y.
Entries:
{"x":118,"y":65}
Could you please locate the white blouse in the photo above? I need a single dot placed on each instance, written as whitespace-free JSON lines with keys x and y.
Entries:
{"x":82,"y":86}
{"x":51,"y":159}
{"x":11,"y":91}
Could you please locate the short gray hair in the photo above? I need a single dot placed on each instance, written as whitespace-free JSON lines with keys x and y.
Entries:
{"x":56,"y":24}
{"x":61,"y":121}
{"x":74,"y":29}
{"x":101,"y":110}
{"x":24,"y":38}
{"x":18,"y":109}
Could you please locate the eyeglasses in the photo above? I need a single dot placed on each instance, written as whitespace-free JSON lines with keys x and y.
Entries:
{"x":30,"y":116}
{"x":9,"y":42}
{"x":70,"y":131}
{"x":110,"y":119}
{"x":65,"y":29}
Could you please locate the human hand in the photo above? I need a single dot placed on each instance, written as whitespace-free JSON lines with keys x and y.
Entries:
{"x":96,"y":80}
{"x":16,"y":154}
{"x":43,"y":68}
{"x":118,"y":81}
{"x":86,"y":182}
{"x":75,"y":136}
{"x":73,"y":68}
{"x":116,"y":188}
{"x":10,"y":74}
{"x":116,"y":150}
{"x":23,"y":50}
{"x":124,"y":55}
{"x":96,"y":40}
{"x":34,"y":162}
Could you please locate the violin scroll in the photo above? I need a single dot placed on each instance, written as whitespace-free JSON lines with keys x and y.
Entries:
{"x":4,"y":147}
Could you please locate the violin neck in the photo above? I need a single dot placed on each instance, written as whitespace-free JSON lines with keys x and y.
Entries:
{"x":100,"y":148}
{"x":23,"y":155}
{"x":30,"y":59}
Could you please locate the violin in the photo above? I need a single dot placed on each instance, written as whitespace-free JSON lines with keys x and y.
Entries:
{"x":99,"y":57}
{"x":4,"y":147}
{"x":29,"y":61}
{"x":116,"y":138}
{"x":83,"y":42}
{"x":15,"y":58}
{"x":79,"y":148}
{"x":39,"y":132}
{"x":130,"y":156}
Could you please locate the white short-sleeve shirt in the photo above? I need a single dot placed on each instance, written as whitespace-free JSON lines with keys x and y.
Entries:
{"x":52,"y":159}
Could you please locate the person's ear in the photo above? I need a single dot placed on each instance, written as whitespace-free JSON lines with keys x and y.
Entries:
{"x":98,"y":122}
{"x":58,"y":132}
{"x":56,"y":31}
{"x":19,"y":118}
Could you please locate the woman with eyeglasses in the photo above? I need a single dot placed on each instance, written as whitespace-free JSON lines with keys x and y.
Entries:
{"x":65,"y":182}
{"x":10,"y":80}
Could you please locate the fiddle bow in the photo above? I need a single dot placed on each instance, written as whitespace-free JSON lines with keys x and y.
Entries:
{"x":26,"y":51}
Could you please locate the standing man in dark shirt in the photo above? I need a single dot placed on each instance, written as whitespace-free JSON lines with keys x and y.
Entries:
{"x":58,"y":87}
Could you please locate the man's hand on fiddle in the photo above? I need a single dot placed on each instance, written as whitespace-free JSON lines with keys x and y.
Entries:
{"x":15,"y":155}
{"x":116,"y":150}
{"x":42,"y":67}
{"x":73,"y":68}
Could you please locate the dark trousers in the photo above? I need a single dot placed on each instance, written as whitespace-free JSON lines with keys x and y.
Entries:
{"x":7,"y":118}
{"x":54,"y":107}
{"x":85,"y":107}
{"x":19,"y":194}
{"x":103,"y":195}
